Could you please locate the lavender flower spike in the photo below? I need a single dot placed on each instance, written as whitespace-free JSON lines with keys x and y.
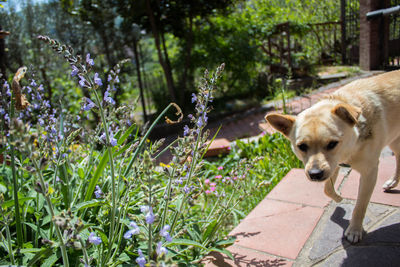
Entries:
{"x":134,"y":231}
{"x":194,"y":98}
{"x":164,"y":233}
{"x":97,"y":79}
{"x":141,"y":260}
{"x":98,"y":193}
{"x":150,"y":216}
{"x":88,"y":105}
{"x":74,"y":71}
{"x":107,"y":98}
{"x":160,"y":249}
{"x":89,"y":60}
{"x":94,"y":239}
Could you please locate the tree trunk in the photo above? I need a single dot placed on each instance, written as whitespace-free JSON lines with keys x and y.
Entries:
{"x":2,"y":57}
{"x":139,"y":79}
{"x":187,"y":76}
{"x":166,"y":68}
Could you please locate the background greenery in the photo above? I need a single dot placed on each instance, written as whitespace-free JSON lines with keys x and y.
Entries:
{"x":173,"y":40}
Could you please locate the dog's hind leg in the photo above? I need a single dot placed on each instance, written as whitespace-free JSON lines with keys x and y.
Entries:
{"x":394,"y":181}
{"x":329,"y":188}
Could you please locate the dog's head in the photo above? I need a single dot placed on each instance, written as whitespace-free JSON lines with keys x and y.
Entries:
{"x":321,"y":136}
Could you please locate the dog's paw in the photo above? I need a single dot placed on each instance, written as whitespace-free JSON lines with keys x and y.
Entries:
{"x":390,"y":184}
{"x":337,"y":198}
{"x":354,"y":233}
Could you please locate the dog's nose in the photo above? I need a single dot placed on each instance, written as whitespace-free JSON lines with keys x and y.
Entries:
{"x":316,"y":174}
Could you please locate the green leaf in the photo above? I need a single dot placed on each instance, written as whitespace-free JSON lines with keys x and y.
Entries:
{"x":30,"y":250}
{"x":209,"y":229}
{"x":10,"y":203}
{"x":223,"y":251}
{"x":124,"y":257}
{"x":42,"y":233}
{"x":226,"y":242}
{"x":81,"y":173}
{"x":184,"y":242}
{"x":127,"y":133}
{"x":3,"y":189}
{"x":88,"y":204}
{"x":99,"y":170}
{"x":44,"y":253}
{"x":50,"y":261}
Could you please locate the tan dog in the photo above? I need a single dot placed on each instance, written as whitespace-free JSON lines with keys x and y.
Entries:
{"x":350,"y":126}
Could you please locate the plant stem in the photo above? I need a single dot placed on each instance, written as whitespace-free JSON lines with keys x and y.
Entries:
{"x":15,"y":182}
{"x":50,"y":205}
{"x":110,"y":155}
{"x":10,"y":251}
{"x":85,"y":255}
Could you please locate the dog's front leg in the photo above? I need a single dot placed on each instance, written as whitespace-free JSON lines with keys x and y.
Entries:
{"x":329,"y":188}
{"x":367,"y":183}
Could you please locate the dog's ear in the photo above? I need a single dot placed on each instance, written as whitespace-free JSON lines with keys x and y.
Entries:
{"x":347,"y":112}
{"x":282,"y":123}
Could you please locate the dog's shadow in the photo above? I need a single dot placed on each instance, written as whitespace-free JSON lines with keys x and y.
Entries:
{"x":379,"y":247}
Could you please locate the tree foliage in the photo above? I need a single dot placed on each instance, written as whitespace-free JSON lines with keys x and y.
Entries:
{"x":174,"y":40}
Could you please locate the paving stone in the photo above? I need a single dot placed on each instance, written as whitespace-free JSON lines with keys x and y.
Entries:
{"x":359,"y":256}
{"x":218,"y":146}
{"x":296,"y":187}
{"x":245,"y":257}
{"x":386,"y":232}
{"x":386,"y":170}
{"x":279,"y":233}
{"x":332,"y":231}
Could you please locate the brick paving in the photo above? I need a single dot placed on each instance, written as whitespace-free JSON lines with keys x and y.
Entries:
{"x":297,"y":225}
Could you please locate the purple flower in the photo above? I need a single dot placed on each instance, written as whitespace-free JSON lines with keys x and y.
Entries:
{"x":98,"y":193}
{"x":33,"y":83}
{"x":164,"y":233}
{"x":186,"y":130}
{"x":186,"y":189}
{"x":200,"y":122}
{"x":194,"y":98}
{"x":88,"y":105}
{"x":74,"y":71}
{"x":134,"y":231}
{"x":89,"y":60}
{"x":205,"y":118}
{"x":40,"y":88}
{"x":160,"y":249}
{"x":107,"y":98}
{"x":82,"y":82}
{"x":141,"y":260}
{"x":113,"y":141}
{"x":150,"y":215}
{"x":46,"y":103}
{"x":97,"y":79}
{"x":94,"y":239}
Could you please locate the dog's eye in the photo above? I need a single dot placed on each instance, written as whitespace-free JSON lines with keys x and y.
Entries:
{"x":331,"y":145}
{"x":303,"y":147}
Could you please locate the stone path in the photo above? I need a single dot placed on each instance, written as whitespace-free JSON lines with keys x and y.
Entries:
{"x":297,"y":225}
